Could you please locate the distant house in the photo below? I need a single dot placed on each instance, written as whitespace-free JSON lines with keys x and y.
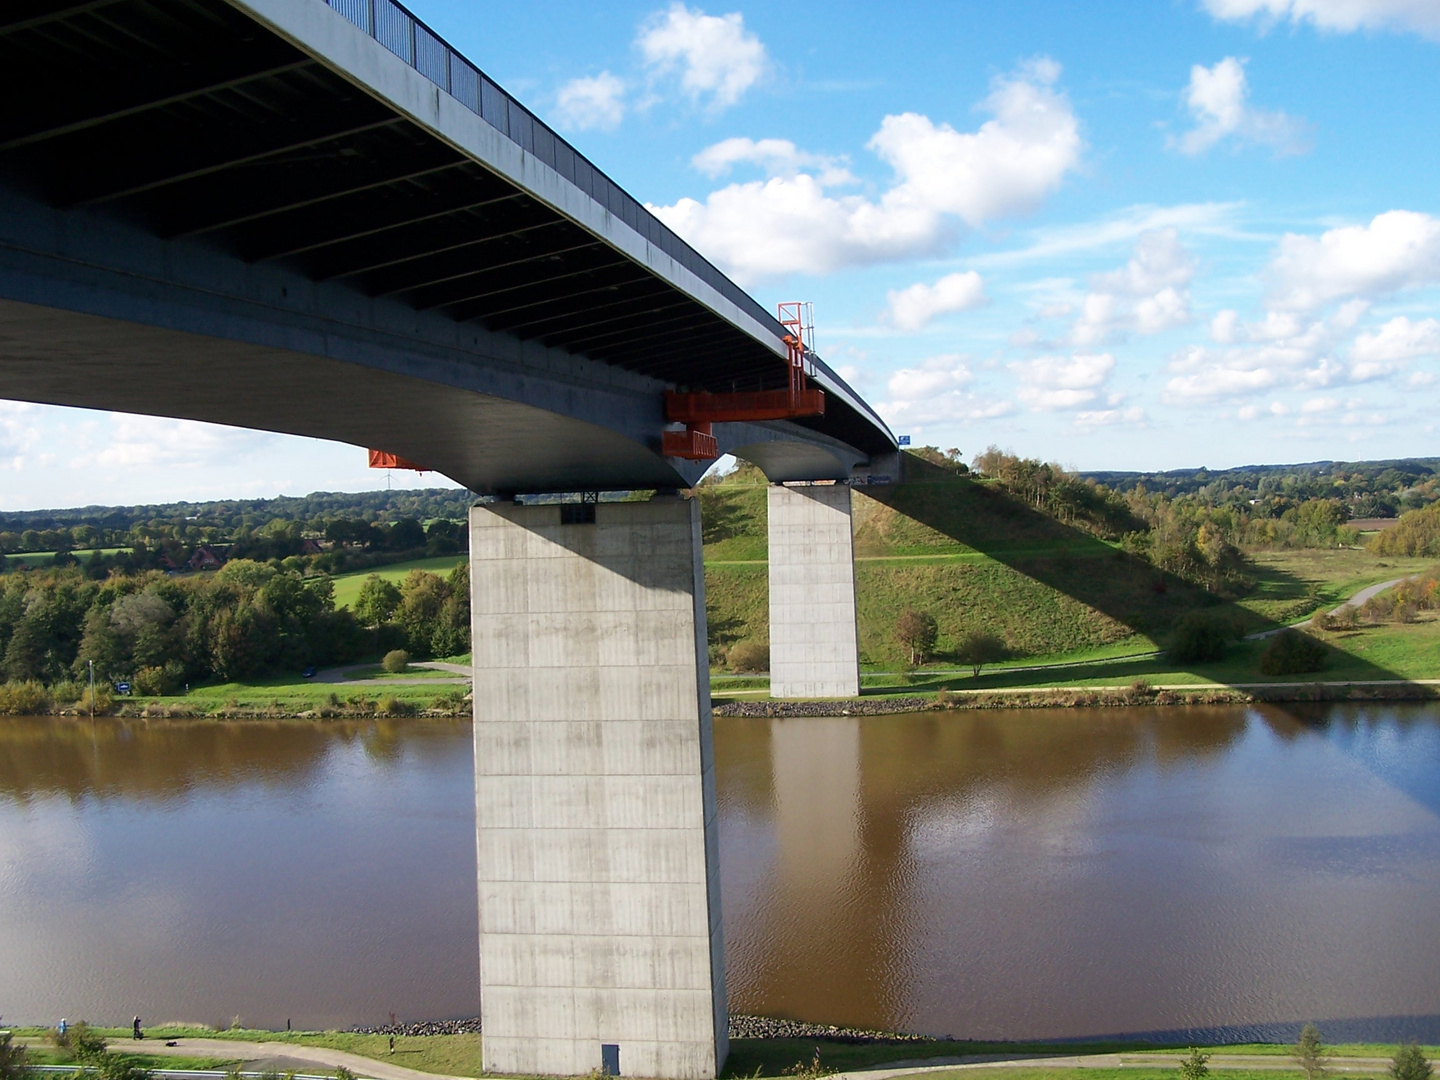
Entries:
{"x":205,"y":558}
{"x":310,"y":547}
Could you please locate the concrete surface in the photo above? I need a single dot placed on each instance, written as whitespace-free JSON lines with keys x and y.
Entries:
{"x":814,"y":647}
{"x":595,"y":791}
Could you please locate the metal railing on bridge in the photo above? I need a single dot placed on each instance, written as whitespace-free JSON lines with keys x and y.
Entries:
{"x":410,"y":39}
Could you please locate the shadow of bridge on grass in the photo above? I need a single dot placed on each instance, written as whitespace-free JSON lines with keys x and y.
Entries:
{"x":1125,"y":588}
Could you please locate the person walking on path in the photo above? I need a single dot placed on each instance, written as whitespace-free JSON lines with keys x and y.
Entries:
{"x":135,"y":1031}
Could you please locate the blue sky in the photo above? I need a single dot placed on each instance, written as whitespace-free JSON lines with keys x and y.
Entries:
{"x":1118,"y":236}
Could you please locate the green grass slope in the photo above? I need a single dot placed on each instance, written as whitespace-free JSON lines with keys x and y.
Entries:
{"x":968,"y":553}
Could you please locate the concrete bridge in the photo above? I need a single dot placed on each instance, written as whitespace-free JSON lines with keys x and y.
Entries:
{"x":314,"y":217}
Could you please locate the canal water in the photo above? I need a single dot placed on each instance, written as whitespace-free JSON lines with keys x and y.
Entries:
{"x":1010,"y":874}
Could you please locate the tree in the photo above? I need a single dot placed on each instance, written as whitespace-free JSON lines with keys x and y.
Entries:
{"x":977,"y":650}
{"x":1290,"y":652}
{"x":377,"y":601}
{"x":1194,"y":1067}
{"x":1310,"y":1052}
{"x":1197,"y":637}
{"x":12,"y":1059}
{"x":917,"y":631}
{"x":1410,"y":1063}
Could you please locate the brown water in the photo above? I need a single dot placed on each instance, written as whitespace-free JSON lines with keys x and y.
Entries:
{"x":1009,"y":874}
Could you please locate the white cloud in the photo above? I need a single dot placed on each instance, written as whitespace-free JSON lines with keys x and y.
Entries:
{"x":778,"y":157}
{"x":1216,"y":98}
{"x":1110,"y":417}
{"x":912,"y":308}
{"x":19,"y":432}
{"x":1147,"y":295}
{"x":792,"y":223}
{"x":1057,"y":382}
{"x":1398,"y":339}
{"x":934,"y":392}
{"x":1279,"y":351}
{"x":1223,"y":326}
{"x":1345,"y":16}
{"x":716,"y":58}
{"x":1123,"y":227}
{"x":595,"y":101}
{"x":146,"y":442}
{"x":1399,"y":248}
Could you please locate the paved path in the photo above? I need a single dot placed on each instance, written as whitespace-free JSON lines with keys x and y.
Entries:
{"x":276,"y":1056}
{"x":340,"y":676}
{"x":1258,"y":1062}
{"x":1358,"y":600}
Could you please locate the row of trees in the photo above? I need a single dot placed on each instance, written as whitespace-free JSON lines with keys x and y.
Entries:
{"x":247,"y":620}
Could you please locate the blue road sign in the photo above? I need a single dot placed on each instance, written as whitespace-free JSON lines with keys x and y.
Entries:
{"x":904,"y":440}
{"x":122,"y":687}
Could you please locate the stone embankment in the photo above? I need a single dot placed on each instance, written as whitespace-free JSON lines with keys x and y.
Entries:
{"x":428,"y":1027}
{"x":741,"y":1027}
{"x":764,"y":1027}
{"x":1139,"y":693}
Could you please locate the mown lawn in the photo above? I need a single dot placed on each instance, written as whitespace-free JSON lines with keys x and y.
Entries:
{"x":347,"y":586}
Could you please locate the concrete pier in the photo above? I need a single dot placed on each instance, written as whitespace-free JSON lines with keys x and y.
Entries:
{"x":814,"y":648}
{"x":600,"y":939}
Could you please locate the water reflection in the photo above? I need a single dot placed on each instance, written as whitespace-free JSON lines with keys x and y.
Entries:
{"x":317,"y":872}
{"x":1010,"y":874}
{"x":1070,"y":873}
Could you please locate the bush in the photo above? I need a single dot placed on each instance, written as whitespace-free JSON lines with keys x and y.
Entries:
{"x":81,"y":1041}
{"x":103,"y":701}
{"x":390,"y":705}
{"x":1197,"y":638}
{"x":23,"y":699}
{"x":1290,"y":653}
{"x":12,"y":1059}
{"x":1410,"y":1063}
{"x":396,"y":661}
{"x":749,"y":657}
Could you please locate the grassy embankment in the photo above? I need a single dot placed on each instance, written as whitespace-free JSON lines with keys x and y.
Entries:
{"x":459,"y":1055}
{"x":347,"y":586}
{"x":981,"y":561}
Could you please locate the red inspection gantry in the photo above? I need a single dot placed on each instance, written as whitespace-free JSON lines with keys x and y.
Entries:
{"x":382,"y":459}
{"x":697,"y":411}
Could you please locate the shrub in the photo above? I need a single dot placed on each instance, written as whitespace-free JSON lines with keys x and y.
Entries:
{"x":750,"y":657}
{"x":66,"y":692}
{"x":12,"y":1059}
{"x":396,"y":661}
{"x":1197,"y":638}
{"x":390,"y":705}
{"x":1290,"y":653}
{"x":81,"y":1041}
{"x":23,"y":699}
{"x":1323,"y":620}
{"x":917,"y":631}
{"x":159,"y":681}
{"x":1194,"y":1067}
{"x":102,"y":702}
{"x":1410,"y":1063}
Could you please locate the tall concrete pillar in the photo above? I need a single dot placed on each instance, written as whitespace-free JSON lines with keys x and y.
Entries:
{"x":600,"y":941}
{"x":814,"y":647}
